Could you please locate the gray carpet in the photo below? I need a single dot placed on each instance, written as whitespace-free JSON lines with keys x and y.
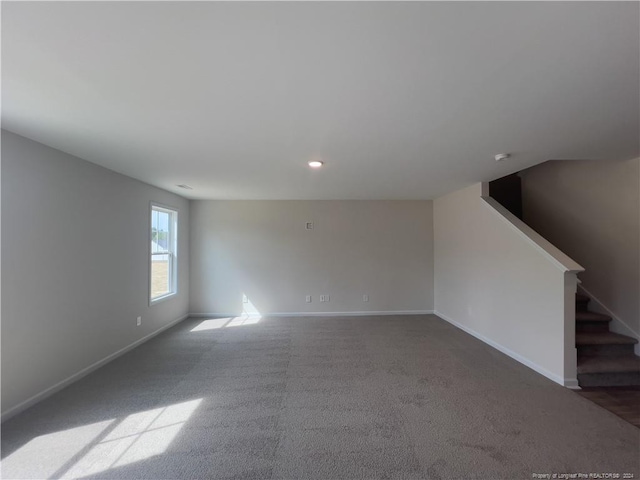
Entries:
{"x":325,"y":398}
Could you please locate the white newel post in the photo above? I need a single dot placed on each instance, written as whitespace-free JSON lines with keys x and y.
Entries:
{"x":570,"y":352}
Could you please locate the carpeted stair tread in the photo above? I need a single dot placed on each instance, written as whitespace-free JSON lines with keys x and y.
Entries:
{"x":620,"y":364}
{"x":592,"y":317}
{"x":582,"y":298}
{"x":603,"y":338}
{"x":605,"y":359}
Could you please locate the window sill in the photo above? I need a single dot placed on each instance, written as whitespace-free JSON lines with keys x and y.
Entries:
{"x":161,"y":299}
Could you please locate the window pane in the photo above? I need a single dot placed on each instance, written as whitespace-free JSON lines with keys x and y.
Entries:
{"x":159,"y":231}
{"x":160,"y":275}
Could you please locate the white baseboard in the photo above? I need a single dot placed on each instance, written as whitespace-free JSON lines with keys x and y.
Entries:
{"x":572,"y":384}
{"x":85,"y":371}
{"x":565,"y":382}
{"x":314,"y":314}
{"x":617,"y":325}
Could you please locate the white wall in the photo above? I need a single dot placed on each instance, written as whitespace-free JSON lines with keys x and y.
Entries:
{"x":497,"y":280}
{"x":75,"y":266}
{"x":261,"y":249}
{"x":590,"y":210}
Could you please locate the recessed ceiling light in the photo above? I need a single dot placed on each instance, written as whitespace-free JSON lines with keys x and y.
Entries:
{"x":502,"y":156}
{"x":185,"y":186}
{"x":315,"y":163}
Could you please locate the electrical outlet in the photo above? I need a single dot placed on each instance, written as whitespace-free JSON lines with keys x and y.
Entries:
{"x":245,"y":299}
{"x":308,"y":299}
{"x":309,"y":225}
{"x":365,"y":298}
{"x":324,"y":298}
{"x":139,"y":321}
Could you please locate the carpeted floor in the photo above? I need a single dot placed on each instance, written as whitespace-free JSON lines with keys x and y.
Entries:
{"x":323,"y":398}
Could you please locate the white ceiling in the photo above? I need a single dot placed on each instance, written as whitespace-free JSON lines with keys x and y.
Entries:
{"x":401,"y":100}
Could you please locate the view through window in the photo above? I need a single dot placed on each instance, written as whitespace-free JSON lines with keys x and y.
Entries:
{"x":164,"y":222}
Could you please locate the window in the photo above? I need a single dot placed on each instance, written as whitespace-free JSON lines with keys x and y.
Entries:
{"x":164,"y":233}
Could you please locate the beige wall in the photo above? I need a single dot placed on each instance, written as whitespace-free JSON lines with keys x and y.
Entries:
{"x":75,"y":267}
{"x":590,"y":210}
{"x":495,"y":279}
{"x":261,"y":249}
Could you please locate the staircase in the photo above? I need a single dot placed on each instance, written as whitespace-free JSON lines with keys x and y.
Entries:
{"x":605,"y":359}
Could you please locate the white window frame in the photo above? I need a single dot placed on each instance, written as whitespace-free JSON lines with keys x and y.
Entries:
{"x":172,"y":251}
